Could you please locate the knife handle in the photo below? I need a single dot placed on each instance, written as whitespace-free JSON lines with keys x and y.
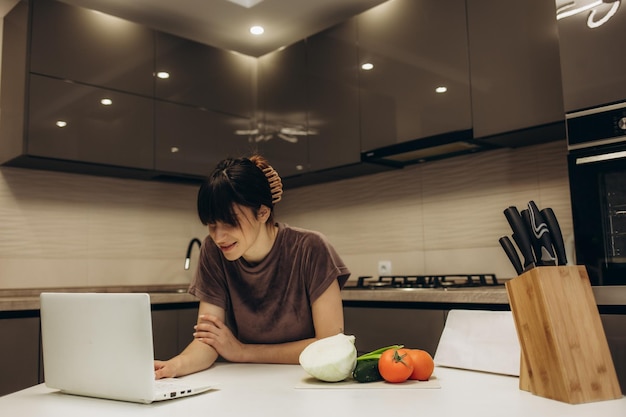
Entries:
{"x":520,"y":235}
{"x":544,"y":253}
{"x":557,"y":236}
{"x":529,"y":229}
{"x":510,"y":251}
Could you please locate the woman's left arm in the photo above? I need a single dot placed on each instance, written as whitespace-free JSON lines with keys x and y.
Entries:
{"x":328,"y":312}
{"x":327,"y":319}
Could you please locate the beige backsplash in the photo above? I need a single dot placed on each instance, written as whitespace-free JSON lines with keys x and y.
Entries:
{"x":59,"y":229}
{"x":442,"y":217}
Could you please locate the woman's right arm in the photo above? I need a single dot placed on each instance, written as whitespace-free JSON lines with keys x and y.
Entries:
{"x":197,"y":356}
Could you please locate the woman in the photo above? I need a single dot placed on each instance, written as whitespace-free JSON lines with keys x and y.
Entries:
{"x":277,"y":287}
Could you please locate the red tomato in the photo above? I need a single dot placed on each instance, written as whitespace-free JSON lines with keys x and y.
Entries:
{"x":395,"y":365}
{"x":423,"y":364}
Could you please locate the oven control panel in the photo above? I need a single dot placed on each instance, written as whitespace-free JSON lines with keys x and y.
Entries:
{"x":596,"y":127}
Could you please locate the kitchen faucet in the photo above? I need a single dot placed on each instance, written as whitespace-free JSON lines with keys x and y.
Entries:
{"x":189,"y":248}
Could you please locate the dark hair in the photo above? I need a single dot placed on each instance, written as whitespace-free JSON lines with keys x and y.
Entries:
{"x":234,"y":181}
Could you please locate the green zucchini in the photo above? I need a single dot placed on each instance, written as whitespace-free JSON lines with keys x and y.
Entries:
{"x":367,"y":371}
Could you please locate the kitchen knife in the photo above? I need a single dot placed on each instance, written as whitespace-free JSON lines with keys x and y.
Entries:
{"x":520,"y":236}
{"x":555,"y":233}
{"x":510,"y":251}
{"x":540,"y":236}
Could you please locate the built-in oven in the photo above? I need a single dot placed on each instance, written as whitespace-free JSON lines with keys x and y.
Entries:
{"x":597,"y":174}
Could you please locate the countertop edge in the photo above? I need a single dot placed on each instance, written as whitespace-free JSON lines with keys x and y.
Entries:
{"x":28,"y":299}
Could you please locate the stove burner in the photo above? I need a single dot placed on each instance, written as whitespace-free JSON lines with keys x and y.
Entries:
{"x":427,"y":281}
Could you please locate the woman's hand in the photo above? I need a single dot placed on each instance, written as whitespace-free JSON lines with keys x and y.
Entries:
{"x":165,"y":369}
{"x":212,"y":331}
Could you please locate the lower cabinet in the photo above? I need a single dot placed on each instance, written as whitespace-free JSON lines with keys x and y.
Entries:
{"x":375,"y":327}
{"x":19,"y":352}
{"x":172,"y":328}
{"x":615,"y":330}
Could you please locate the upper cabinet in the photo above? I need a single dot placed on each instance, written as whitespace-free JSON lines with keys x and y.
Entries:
{"x":414,"y":71}
{"x":80,"y":123}
{"x":282,"y":131}
{"x":592,"y":42}
{"x":86,"y":46}
{"x":190,"y":141}
{"x":404,"y":82}
{"x":203,"y":76}
{"x":515,"y":71}
{"x":333,"y":97}
{"x":80,"y":98}
{"x":86,"y":92}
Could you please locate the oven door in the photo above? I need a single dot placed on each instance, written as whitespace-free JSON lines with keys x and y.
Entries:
{"x":597,"y":171}
{"x":598,"y":193}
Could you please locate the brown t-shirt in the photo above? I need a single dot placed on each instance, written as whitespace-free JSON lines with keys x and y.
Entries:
{"x":270,"y":302}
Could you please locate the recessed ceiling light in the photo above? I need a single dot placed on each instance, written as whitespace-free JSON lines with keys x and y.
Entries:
{"x":163,"y":75}
{"x":441,"y":89}
{"x":367,"y":66}
{"x":61,"y":123}
{"x":246,"y":3}
{"x":257,"y":30}
{"x":106,"y":101}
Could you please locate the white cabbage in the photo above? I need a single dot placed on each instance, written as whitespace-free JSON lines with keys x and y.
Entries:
{"x":331,"y":359}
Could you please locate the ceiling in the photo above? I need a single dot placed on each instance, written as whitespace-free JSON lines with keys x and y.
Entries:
{"x":224,"y":24}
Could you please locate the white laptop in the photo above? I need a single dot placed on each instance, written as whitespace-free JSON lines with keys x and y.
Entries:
{"x":100,"y":345}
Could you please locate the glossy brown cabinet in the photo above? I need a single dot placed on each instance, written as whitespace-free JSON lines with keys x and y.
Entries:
{"x":19,"y":352}
{"x":615,"y":329}
{"x":375,"y":327}
{"x":191,"y":141}
{"x":203,"y":76}
{"x":414,"y":48}
{"x":333,"y":97}
{"x":515,"y":71}
{"x":283,"y":106}
{"x":592,"y":59}
{"x":76,"y":122}
{"x":86,"y":46}
{"x":172,"y":328}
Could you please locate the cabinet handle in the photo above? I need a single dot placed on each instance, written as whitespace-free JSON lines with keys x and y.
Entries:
{"x":598,"y":158}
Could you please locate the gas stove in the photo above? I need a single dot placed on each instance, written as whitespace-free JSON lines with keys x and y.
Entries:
{"x":425,"y":281}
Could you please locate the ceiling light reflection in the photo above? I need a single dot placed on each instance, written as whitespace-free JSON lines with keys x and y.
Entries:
{"x":257,"y":30}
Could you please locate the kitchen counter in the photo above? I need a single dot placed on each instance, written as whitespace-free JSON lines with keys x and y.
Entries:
{"x":28,"y":299}
{"x":605,"y":296}
{"x":275,"y":390}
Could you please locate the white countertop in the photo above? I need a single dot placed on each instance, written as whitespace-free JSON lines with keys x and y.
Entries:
{"x":271,"y":390}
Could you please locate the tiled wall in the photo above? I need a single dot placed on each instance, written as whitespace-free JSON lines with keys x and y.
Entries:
{"x":442,"y":217}
{"x":59,"y":229}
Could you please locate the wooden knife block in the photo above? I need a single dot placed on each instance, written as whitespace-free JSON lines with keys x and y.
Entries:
{"x":565,"y":354}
